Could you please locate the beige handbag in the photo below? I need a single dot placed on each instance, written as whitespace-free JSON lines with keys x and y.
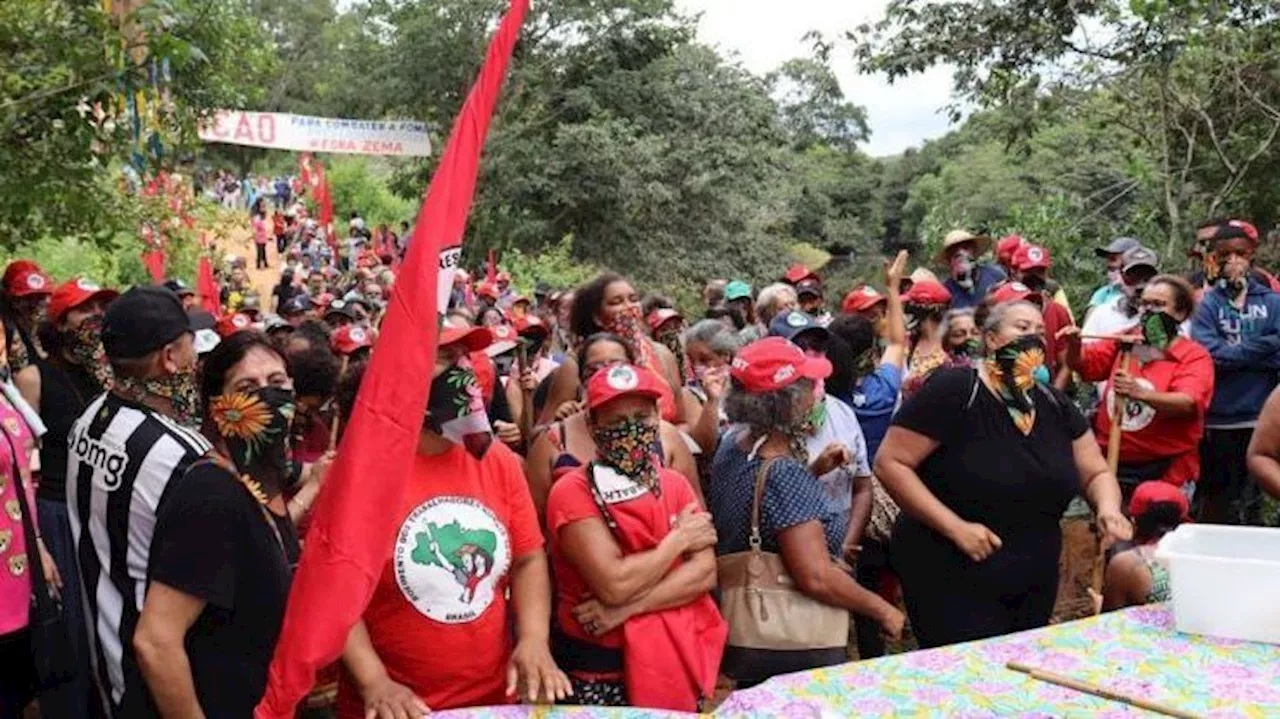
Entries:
{"x":763,"y":606}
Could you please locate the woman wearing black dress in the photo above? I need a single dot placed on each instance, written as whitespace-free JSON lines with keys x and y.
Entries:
{"x":983,"y":462}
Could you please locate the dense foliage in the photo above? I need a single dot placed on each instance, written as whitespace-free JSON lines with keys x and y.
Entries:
{"x":622,"y":142}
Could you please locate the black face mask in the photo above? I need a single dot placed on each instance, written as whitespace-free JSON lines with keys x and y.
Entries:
{"x":503,"y":364}
{"x":456,"y":410}
{"x":255,"y":427}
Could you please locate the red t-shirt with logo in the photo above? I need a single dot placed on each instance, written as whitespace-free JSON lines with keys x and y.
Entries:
{"x":438,"y":618}
{"x":570,"y":501}
{"x":1055,"y":318}
{"x":1149,"y":435}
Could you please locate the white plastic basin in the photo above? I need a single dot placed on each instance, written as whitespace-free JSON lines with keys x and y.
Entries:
{"x":1225,"y":581}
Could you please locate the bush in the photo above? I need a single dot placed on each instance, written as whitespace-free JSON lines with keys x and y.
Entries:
{"x":359,"y":183}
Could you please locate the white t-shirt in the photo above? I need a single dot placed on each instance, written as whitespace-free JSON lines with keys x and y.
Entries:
{"x":841,"y":426}
{"x":1109,"y":318}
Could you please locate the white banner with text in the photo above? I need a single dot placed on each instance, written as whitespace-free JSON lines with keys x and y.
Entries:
{"x":303,"y":133}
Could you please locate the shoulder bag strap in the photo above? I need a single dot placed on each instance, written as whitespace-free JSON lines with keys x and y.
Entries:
{"x":762,"y":476}
{"x":598,"y":498}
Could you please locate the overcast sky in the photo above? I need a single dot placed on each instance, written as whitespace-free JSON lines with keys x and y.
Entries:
{"x":766,"y":33}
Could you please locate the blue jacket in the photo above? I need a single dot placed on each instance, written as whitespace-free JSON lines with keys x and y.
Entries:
{"x":1245,"y":346}
{"x":984,"y":278}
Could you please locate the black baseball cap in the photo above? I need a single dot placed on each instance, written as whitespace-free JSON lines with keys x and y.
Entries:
{"x":179,"y":287}
{"x":794,"y":323}
{"x":296,"y":305}
{"x":1118,"y":246}
{"x":143,"y":320}
{"x":341,"y":307}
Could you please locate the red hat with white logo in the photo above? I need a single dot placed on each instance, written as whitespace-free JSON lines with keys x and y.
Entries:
{"x":1008,"y":246}
{"x":530,"y":325}
{"x":773,"y":363}
{"x":621,"y":380}
{"x":351,"y":338}
{"x":473,"y":339}
{"x":927,"y":292}
{"x":233,"y":323}
{"x":1157,"y":492}
{"x":861,"y":299}
{"x":24,"y":277}
{"x":1031,"y":257}
{"x":661,"y":316}
{"x":505,"y":339}
{"x":1014,"y":292}
{"x":73,"y":293}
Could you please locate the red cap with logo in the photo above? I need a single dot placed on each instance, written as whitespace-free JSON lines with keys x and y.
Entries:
{"x":861,"y":299}
{"x":231,"y":324}
{"x":797,"y":273}
{"x":773,"y":363}
{"x":1013,"y":292}
{"x":474,"y":339}
{"x":661,"y":316}
{"x":1030,"y":257}
{"x":1157,"y":492}
{"x":24,"y":277}
{"x":75,"y":292}
{"x":1008,"y":246}
{"x":621,"y":380}
{"x":927,"y":292}
{"x":351,"y":338}
{"x":531,"y":325}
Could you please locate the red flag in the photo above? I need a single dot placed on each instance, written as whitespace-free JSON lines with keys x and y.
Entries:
{"x":304,"y":164}
{"x":154,"y":261}
{"x":491,"y":268}
{"x":350,"y":537}
{"x":207,"y":288}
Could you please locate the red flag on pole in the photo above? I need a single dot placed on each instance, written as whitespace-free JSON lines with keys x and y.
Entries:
{"x":350,"y":537}
{"x":491,"y":268}
{"x":207,"y":288}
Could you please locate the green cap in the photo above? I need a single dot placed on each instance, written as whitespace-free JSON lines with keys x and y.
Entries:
{"x":737,"y":290}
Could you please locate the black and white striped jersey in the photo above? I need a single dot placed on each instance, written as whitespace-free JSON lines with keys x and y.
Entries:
{"x":121,"y":458}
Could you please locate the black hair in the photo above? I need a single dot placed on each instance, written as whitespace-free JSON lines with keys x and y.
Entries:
{"x":585,"y":347}
{"x":50,"y":339}
{"x":654,"y":301}
{"x":842,"y":358}
{"x":315,"y":371}
{"x":348,"y":388}
{"x":587,"y":301}
{"x":229,"y":352}
{"x":857,"y":332}
{"x":720,"y":312}
{"x":316,"y":332}
{"x":1159,"y":519}
{"x":1184,"y":295}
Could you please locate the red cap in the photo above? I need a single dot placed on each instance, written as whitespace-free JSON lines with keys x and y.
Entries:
{"x":75,"y":292}
{"x":231,"y":324}
{"x":798,"y":273}
{"x":1008,"y":246}
{"x":24,"y":277}
{"x":1030,"y":257}
{"x":772,"y":363}
{"x":927,"y":292}
{"x":531,"y":325}
{"x":860,"y":299}
{"x":621,"y":380}
{"x":660,"y":317}
{"x":351,"y":338}
{"x":324,"y":300}
{"x":1013,"y":292}
{"x":485,"y":289}
{"x":1156,"y":492}
{"x":474,"y":339}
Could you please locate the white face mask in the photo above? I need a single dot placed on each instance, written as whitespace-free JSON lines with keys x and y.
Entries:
{"x":1113,"y":278}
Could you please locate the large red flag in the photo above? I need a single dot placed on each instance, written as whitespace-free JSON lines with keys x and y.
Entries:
{"x":350,"y":537}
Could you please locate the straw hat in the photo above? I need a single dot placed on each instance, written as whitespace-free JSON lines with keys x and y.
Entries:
{"x":982,"y":243}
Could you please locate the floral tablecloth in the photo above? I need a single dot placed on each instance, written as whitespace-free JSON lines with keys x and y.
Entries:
{"x":1136,"y":651}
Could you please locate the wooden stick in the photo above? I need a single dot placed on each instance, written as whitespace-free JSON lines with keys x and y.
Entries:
{"x":1129,"y":339}
{"x":1097,"y":691}
{"x":1113,"y":459}
{"x":526,"y":396}
{"x":337,"y":418}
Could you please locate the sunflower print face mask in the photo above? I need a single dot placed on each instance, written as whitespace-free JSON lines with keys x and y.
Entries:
{"x":1013,"y":369}
{"x":254,"y":426}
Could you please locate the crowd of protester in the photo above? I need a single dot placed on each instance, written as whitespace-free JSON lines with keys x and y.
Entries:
{"x":613,"y":502}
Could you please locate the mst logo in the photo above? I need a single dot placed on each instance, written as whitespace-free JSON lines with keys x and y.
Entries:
{"x":108,"y":461}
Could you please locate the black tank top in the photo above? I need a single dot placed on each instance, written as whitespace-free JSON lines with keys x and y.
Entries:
{"x":65,"y":390}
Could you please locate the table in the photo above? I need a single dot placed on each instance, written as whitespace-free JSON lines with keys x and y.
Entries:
{"x":1136,"y":651}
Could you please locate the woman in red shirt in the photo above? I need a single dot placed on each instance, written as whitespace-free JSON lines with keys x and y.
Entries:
{"x":634,"y":561}
{"x":437,"y":632}
{"x":1166,"y":384}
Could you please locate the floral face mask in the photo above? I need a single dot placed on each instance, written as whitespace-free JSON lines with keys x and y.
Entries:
{"x":633,"y":447}
{"x":179,"y":388}
{"x":1013,"y":369}
{"x":456,"y":409}
{"x":255,"y":427}
{"x":84,"y":345}
{"x":629,"y":325}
